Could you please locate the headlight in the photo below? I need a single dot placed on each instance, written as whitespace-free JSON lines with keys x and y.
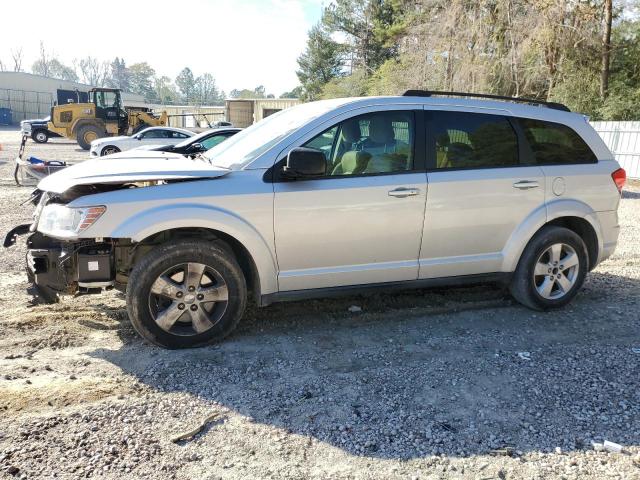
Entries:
{"x":62,"y":221}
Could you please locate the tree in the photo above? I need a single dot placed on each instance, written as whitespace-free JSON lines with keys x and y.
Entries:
{"x":206,"y":90}
{"x":295,"y":93}
{"x":119,"y":75}
{"x":258,"y":92}
{"x":320,"y":63}
{"x":17,"y":59}
{"x":61,"y":71}
{"x":49,"y":66}
{"x":371,"y":28}
{"x":142,"y":80}
{"x":41,"y":65}
{"x":93,"y":71}
{"x":606,"y":48}
{"x":166,"y":91}
{"x":187,"y":84}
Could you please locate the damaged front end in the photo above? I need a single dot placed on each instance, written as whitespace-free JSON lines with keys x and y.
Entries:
{"x":58,"y":267}
{"x":65,"y":253}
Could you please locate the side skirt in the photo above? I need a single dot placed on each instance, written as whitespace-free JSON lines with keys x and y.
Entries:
{"x":295,"y":295}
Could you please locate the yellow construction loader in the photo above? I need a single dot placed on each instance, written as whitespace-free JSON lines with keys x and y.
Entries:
{"x":102,"y":116}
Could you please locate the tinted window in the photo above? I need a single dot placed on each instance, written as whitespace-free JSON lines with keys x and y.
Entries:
{"x":380,"y":142}
{"x":215,"y":140}
{"x":473,"y":140}
{"x":157,"y":134}
{"x":178,"y":135}
{"x":555,"y":144}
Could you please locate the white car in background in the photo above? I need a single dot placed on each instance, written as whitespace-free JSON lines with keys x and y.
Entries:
{"x":148,"y":136}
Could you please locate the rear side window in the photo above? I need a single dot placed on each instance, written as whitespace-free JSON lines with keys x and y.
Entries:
{"x":473,"y":140}
{"x":555,"y":144}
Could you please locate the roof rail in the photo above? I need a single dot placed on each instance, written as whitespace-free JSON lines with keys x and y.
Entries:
{"x":531,"y":101}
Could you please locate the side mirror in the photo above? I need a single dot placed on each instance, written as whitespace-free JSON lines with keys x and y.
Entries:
{"x":196,"y":147}
{"x":138,"y":137}
{"x":305,"y":162}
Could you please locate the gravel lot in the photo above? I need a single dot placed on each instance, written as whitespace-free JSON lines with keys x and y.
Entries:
{"x":428,"y":384}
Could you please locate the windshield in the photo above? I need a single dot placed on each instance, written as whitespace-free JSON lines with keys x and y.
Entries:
{"x":249,"y":144}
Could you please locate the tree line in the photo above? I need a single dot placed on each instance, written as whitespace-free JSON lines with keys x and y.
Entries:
{"x":584,"y":53}
{"x":139,"y":78}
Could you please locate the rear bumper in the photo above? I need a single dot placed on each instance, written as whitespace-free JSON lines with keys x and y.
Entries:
{"x":610,"y":229}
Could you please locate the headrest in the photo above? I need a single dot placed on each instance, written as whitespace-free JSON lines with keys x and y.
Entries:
{"x":351,"y":131}
{"x":381,"y":130}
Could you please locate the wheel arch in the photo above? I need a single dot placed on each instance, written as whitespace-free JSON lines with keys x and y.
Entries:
{"x":253,"y":252}
{"x":572,"y":214}
{"x":240,"y":252}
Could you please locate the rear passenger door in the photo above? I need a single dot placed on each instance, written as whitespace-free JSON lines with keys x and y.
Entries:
{"x":479,"y":192}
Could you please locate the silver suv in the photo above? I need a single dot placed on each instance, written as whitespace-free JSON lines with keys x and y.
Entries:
{"x":336,"y":196}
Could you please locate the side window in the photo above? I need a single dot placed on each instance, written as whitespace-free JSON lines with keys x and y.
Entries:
{"x":177,"y":135}
{"x":473,"y":140}
{"x":373,"y":143}
{"x":555,"y":144}
{"x":157,"y":134}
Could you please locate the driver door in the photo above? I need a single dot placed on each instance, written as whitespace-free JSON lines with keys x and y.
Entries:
{"x":361,"y":223}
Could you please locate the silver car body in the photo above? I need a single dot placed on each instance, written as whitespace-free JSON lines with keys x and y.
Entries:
{"x":336,"y":232}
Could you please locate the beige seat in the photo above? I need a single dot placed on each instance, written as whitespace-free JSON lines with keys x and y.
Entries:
{"x":352,"y":161}
{"x":387,"y":154}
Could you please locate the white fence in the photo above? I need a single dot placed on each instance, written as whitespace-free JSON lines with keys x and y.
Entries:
{"x":623,"y":139}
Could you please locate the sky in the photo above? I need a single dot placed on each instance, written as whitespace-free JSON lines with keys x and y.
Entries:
{"x":242,"y":43}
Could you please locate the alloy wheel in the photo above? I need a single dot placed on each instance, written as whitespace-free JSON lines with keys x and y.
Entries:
{"x":188,"y":299}
{"x":556,"y":271}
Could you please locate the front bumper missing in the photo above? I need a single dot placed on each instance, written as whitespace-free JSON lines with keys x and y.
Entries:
{"x":65,"y":268}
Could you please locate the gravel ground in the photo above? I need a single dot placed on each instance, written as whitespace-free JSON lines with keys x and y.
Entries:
{"x":449,"y":383}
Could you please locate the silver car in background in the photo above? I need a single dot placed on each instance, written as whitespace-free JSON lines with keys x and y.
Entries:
{"x":336,"y":196}
{"x":148,"y":136}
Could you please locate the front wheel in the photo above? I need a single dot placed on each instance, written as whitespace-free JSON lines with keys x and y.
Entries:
{"x":40,"y":136}
{"x":88,"y":134}
{"x":551,"y":270}
{"x":186,"y":294}
{"x":109,"y":150}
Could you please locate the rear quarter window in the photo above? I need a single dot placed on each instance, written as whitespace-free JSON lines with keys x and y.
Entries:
{"x":555,"y":144}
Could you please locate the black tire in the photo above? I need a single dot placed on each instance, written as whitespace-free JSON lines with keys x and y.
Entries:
{"x":523,"y":285}
{"x":165,"y":257}
{"x":86,"y":133}
{"x":108,"y":150}
{"x":40,"y":136}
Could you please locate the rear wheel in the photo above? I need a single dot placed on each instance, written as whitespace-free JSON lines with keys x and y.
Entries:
{"x":186,"y":294}
{"x":551,"y":270}
{"x":40,"y":136}
{"x":87,"y":134}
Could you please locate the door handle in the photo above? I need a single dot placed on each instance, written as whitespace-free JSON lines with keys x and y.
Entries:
{"x":404,"y":192}
{"x":526,"y":184}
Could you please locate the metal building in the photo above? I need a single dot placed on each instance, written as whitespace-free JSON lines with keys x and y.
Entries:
{"x":32,"y":96}
{"x":245,"y":112}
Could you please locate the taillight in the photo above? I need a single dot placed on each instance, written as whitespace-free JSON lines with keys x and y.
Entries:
{"x":619,"y":178}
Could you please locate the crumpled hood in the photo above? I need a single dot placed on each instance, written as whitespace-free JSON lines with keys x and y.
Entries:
{"x":129,"y":167}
